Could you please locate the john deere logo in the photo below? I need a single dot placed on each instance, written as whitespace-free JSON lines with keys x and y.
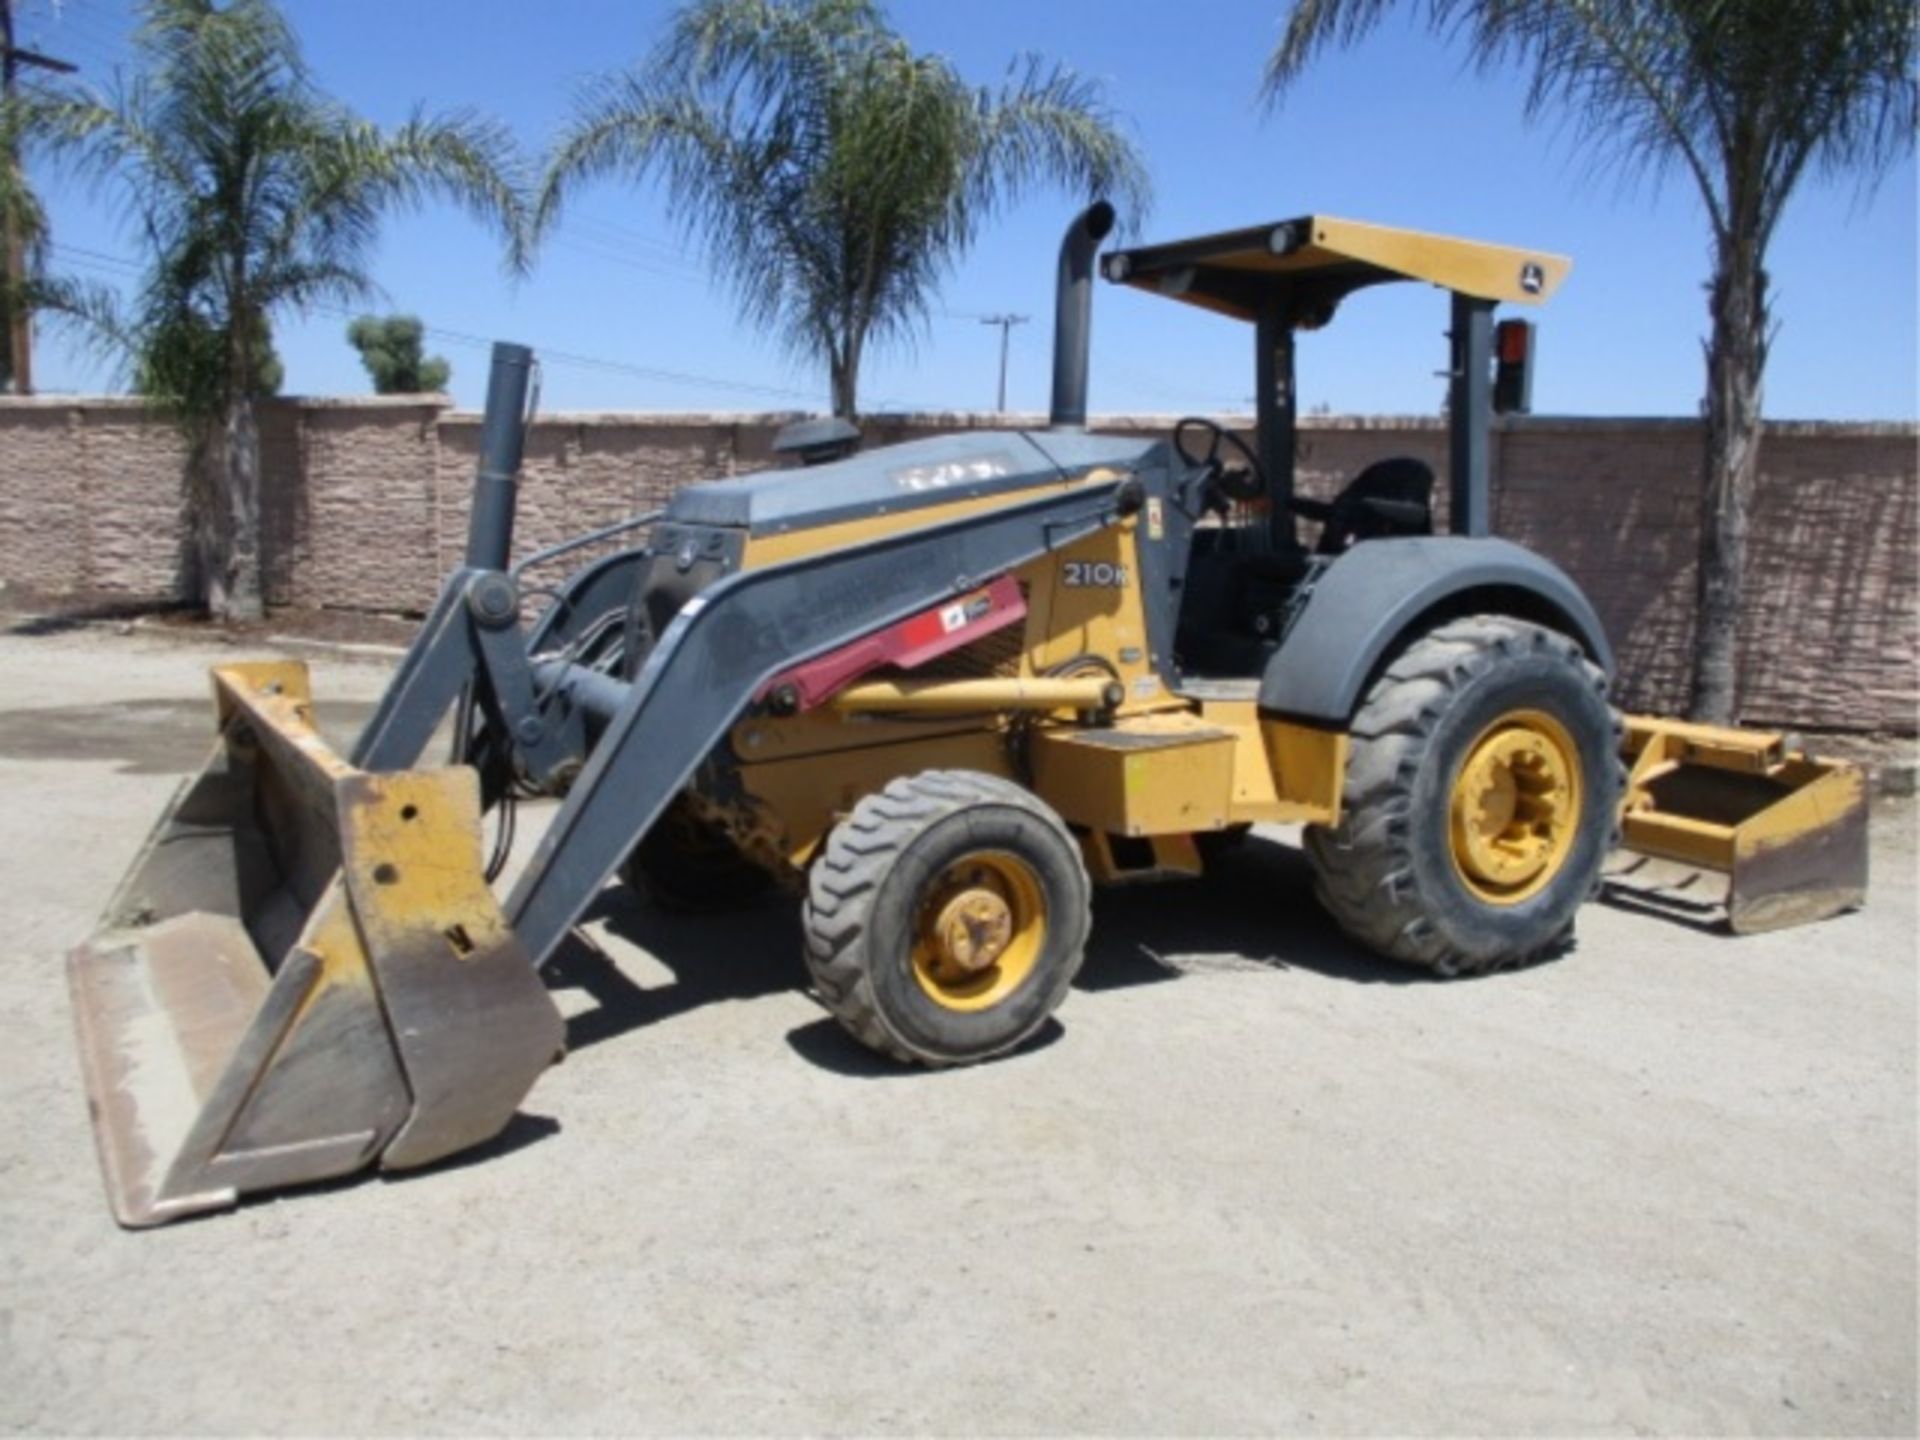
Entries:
{"x":1533,"y":279}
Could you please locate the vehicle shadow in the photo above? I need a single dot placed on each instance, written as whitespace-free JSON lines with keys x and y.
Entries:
{"x":518,"y":1133}
{"x":825,"y":1043}
{"x":732,"y":955}
{"x":145,"y":737}
{"x":1254,"y":909}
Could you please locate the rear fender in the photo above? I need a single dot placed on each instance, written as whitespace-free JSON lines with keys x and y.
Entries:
{"x":1382,"y":591}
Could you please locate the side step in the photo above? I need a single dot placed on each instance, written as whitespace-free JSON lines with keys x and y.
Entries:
{"x":1787,"y":830}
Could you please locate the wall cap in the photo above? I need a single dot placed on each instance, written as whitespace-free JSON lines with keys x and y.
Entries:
{"x":431,"y":401}
{"x":982,"y":420}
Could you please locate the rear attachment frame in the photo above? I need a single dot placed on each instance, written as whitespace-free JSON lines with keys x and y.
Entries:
{"x":1787,"y":829}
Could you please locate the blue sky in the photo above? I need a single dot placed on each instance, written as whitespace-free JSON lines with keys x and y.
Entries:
{"x":1399,"y":130}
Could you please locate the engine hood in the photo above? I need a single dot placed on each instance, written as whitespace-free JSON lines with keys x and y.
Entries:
{"x":896,"y":478}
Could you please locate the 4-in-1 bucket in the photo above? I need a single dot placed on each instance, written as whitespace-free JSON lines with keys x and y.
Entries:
{"x":304,"y":974}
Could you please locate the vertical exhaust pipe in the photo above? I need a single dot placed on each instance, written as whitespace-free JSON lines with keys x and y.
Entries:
{"x":503,"y":440}
{"x":1073,"y":315}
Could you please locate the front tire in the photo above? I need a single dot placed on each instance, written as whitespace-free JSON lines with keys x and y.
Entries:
{"x":946,"y":917}
{"x":1482,"y":797}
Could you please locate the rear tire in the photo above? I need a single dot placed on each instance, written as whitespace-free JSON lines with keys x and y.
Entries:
{"x":946,"y":917}
{"x":688,"y":864}
{"x":1482,"y":796}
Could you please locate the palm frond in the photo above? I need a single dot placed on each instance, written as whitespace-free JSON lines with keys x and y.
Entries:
{"x":830,"y":174}
{"x":461,"y":156}
{"x":613,"y":132}
{"x":252,"y":191}
{"x":86,"y":310}
{"x":1743,"y":95}
{"x":1049,"y":125}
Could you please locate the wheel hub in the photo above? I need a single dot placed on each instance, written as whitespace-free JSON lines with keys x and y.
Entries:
{"x":1515,"y":807}
{"x":978,"y":930}
{"x":972,"y":930}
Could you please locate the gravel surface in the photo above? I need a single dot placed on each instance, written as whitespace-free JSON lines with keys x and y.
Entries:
{"x":1252,"y":1181}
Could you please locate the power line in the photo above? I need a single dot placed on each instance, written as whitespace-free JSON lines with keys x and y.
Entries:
{"x":1006,"y":324}
{"x":548,"y":355}
{"x":123,"y":268}
{"x":612,"y":257}
{"x":1151,"y":389}
{"x":609,"y":231}
{"x":99,"y":258}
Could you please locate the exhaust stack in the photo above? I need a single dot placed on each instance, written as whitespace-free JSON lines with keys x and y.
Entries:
{"x":503,"y":439}
{"x":1073,"y":315}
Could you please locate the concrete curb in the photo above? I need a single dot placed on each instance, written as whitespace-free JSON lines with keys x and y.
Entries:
{"x":147,"y":626}
{"x":336,"y":649}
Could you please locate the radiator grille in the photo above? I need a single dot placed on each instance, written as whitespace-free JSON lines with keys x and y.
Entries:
{"x":991,"y":657}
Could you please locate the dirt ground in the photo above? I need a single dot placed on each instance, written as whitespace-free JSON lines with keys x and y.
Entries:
{"x":1252,"y":1181}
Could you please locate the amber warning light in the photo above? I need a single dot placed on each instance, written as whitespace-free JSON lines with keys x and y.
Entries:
{"x":1513,"y":367}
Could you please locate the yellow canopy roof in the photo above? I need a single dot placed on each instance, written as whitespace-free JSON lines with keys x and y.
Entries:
{"x":1320,"y":258}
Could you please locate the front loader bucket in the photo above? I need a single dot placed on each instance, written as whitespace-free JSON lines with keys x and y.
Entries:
{"x":304,"y":973}
{"x":1787,"y":831}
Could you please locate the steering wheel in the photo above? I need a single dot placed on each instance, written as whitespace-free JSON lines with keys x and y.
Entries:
{"x":1233,"y":482}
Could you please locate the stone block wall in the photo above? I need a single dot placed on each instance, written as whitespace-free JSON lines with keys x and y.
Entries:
{"x":89,"y":497}
{"x":365,"y":508}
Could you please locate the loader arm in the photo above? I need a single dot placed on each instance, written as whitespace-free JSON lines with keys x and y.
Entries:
{"x":723,"y":647}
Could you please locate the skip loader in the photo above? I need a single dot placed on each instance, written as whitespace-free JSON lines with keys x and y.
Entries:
{"x":939,"y":689}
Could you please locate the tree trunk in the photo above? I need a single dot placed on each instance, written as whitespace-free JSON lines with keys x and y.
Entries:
{"x":203,"y":523}
{"x":844,"y":378}
{"x":6,"y":351}
{"x":243,"y":600}
{"x":1736,"y":360}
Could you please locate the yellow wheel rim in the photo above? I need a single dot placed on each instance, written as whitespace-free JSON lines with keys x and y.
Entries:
{"x":1516,"y":807}
{"x":978,"y":930}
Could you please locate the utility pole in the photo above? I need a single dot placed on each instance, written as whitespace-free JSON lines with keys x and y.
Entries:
{"x":1006,"y":324}
{"x":20,"y":320}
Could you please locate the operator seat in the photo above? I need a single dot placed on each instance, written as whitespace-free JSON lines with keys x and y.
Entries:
{"x":1246,"y":600}
{"x":1389,"y":497}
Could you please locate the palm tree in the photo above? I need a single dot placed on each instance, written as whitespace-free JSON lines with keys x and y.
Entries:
{"x":1744,"y":97}
{"x":255,"y":195}
{"x":833,"y":174}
